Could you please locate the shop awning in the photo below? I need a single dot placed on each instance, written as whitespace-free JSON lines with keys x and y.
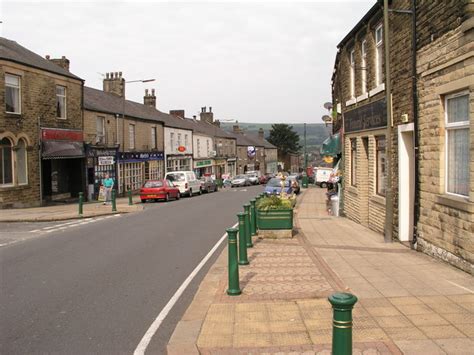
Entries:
{"x":62,"y":150}
{"x":331,"y":146}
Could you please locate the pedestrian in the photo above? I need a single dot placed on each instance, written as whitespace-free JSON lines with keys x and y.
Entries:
{"x":108,"y":184}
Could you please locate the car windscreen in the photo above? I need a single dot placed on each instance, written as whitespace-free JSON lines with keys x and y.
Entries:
{"x":150,"y":184}
{"x":176,"y":177}
{"x":277,"y":183}
{"x":240,"y":177}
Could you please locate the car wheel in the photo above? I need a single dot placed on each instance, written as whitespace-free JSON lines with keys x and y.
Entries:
{"x":190,"y":193}
{"x":178,"y":196}
{"x":323,"y":185}
{"x":200,"y":191}
{"x":167,"y":199}
{"x":156,"y":200}
{"x":208,"y":189}
{"x":143,"y":200}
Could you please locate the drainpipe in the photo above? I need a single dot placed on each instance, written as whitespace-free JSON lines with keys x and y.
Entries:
{"x":388,"y":93}
{"x":416,"y":207}
{"x":40,"y":150}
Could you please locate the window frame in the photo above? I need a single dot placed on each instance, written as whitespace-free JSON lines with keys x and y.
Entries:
{"x":58,"y":100}
{"x":378,"y":57}
{"x":352,"y":72}
{"x":378,"y":150}
{"x":22,"y":140}
{"x":102,"y":135}
{"x":450,"y":127}
{"x":19,"y":93}
{"x":12,"y":164}
{"x":154,"y":144}
{"x":363,"y":64}
{"x":172,"y":140}
{"x":131,"y":137}
{"x":353,"y":144}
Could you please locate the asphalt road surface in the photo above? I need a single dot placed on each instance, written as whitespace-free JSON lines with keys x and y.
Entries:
{"x":97,"y":287}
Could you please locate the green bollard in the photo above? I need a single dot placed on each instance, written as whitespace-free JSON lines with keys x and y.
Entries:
{"x":130,"y":201}
{"x":253,"y":218}
{"x":114,"y":203}
{"x":81,"y":202}
{"x":342,"y":304}
{"x":234,"y":288}
{"x":305,"y":182}
{"x":243,"y":260}
{"x":248,"y":231}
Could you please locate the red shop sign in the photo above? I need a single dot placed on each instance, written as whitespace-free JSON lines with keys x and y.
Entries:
{"x":48,"y":134}
{"x":181,"y":148}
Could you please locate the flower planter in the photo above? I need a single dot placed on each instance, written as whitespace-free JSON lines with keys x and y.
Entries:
{"x":275,"y":219}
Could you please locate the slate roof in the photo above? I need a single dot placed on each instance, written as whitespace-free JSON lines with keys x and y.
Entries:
{"x":100,"y":101}
{"x":210,"y":129}
{"x":260,"y":141}
{"x":12,"y":51}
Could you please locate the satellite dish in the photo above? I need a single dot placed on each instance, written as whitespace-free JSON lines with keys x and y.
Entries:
{"x":328,"y":106}
{"x":326,"y":119}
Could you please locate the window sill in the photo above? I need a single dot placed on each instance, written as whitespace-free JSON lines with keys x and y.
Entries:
{"x":14,"y":187}
{"x":13,"y":115}
{"x":457,"y":202}
{"x":352,"y":190}
{"x":380,"y":200}
{"x":362,"y":97}
{"x":376,"y":90}
{"x":351,"y":102}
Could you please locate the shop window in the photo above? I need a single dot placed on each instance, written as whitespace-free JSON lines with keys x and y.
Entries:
{"x":363,"y":69}
{"x":60,"y":102}
{"x":153,"y":137}
{"x":6,"y":162}
{"x":22,"y":163}
{"x":12,"y":94}
{"x":457,"y":144}
{"x":100,"y":130}
{"x":381,"y":165}
{"x":352,"y":74}
{"x":378,"y":55}
{"x":131,"y":136}
{"x":353,"y":162}
{"x":131,"y":175}
{"x":154,"y":170}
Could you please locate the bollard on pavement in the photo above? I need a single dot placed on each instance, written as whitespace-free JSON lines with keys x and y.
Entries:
{"x":253,"y":218}
{"x":114,"y":203}
{"x":342,"y":304}
{"x":81,"y":202}
{"x":247,"y":225}
{"x":130,"y":201}
{"x":234,"y":287}
{"x":243,"y":260}
{"x":305,"y":182}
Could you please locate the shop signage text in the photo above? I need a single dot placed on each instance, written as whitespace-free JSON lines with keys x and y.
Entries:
{"x":106,"y":160}
{"x":94,"y":152}
{"x":140,"y":156}
{"x":50,"y":134}
{"x":203,"y":163}
{"x":181,"y":148}
{"x":370,"y":116}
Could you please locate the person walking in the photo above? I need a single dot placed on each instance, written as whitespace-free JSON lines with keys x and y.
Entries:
{"x":108,"y":184}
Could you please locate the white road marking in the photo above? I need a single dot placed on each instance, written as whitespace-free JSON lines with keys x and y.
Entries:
{"x":141,"y":348}
{"x":34,"y":231}
{"x":464,"y":288}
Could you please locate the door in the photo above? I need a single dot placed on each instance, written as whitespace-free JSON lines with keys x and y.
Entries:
{"x":406,"y":182}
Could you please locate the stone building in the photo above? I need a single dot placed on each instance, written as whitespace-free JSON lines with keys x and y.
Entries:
{"x":41,"y":137}
{"x":431,"y":68}
{"x":250,"y":152}
{"x":445,"y":73}
{"x":270,"y":152}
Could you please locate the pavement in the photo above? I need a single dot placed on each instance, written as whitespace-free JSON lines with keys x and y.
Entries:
{"x":409,"y":303}
{"x":61,"y":212}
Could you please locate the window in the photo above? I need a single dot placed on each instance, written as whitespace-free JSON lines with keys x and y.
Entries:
{"x":363,"y":69}
{"x":172,"y":140}
{"x":153,"y":137}
{"x":100,"y":130}
{"x":457,"y":144}
{"x":378,"y":55}
{"x":207,"y":147}
{"x":352,"y":62}
{"x":60,"y":102}
{"x":6,"y":162}
{"x":179,"y":139}
{"x":380,"y":162}
{"x":353,"y":162}
{"x":21,"y":163}
{"x":198,"y":147}
{"x":12,"y":94}
{"x":131,"y":136}
{"x":186,"y":140}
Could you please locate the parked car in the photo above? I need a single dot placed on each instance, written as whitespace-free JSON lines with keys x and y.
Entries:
{"x":295,"y":185}
{"x":159,"y":190}
{"x":253,"y":178}
{"x":273,"y":187}
{"x":240,"y":180}
{"x":208,"y":184}
{"x":186,"y":181}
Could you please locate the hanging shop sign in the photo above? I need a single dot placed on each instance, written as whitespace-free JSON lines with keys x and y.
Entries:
{"x":107,"y":160}
{"x":203,"y":163}
{"x":181,"y":148}
{"x":140,"y":156}
{"x":367,"y":117}
{"x":328,"y":159}
{"x":251,"y":151}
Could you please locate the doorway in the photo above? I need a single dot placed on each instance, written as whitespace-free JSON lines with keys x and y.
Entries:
{"x":406,"y":182}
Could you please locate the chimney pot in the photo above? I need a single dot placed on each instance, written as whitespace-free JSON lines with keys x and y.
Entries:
{"x":146,"y":92}
{"x":194,"y":117}
{"x":120,"y":74}
{"x":210,"y":108}
{"x":47,"y":56}
{"x":63,"y":57}
{"x":152,"y":92}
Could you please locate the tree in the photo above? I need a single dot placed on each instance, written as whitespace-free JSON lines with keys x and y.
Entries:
{"x":284,"y":138}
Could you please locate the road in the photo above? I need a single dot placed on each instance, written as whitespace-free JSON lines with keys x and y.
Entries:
{"x":97,"y":287}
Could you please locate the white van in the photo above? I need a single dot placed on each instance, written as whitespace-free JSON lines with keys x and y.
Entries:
{"x":322,"y":176}
{"x":186,"y":181}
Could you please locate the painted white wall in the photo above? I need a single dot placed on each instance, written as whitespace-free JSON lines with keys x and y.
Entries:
{"x":203,"y":152}
{"x":173,"y":150}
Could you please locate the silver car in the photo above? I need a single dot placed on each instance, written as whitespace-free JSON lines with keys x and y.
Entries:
{"x":253,"y":178}
{"x":240,"y":180}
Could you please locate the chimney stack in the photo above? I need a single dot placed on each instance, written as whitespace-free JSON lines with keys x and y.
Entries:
{"x":114,"y":84}
{"x":261,"y":133}
{"x":177,"y":113}
{"x":149,"y":99}
{"x":236,"y":128}
{"x":206,"y":116}
{"x":63,"y":62}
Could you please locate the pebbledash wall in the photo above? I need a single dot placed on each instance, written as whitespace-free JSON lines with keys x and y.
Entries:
{"x":445,"y":68}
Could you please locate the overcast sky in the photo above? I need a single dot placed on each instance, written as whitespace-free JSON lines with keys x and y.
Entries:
{"x":251,"y":61}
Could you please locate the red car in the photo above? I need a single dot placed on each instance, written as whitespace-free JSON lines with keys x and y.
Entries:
{"x":159,"y":190}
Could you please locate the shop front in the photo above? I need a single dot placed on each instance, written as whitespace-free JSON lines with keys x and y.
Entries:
{"x":179,"y":162}
{"x":100,"y":162}
{"x":220,"y":166}
{"x":231,"y":166}
{"x":62,"y":164}
{"x":137,"y":167}
{"x":202,"y":167}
